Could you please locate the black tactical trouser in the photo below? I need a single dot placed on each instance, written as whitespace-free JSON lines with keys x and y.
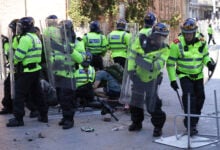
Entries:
{"x":85,"y":92}
{"x":30,"y":103}
{"x":120,"y":60}
{"x":197,"y":97}
{"x":152,"y":101}
{"x":66,"y":99}
{"x":7,"y":101}
{"x":211,"y":38}
{"x":28,"y":84}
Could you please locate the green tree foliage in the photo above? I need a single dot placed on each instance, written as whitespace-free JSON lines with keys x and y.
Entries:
{"x":136,"y":10}
{"x":87,"y":10}
{"x":174,"y":20}
{"x":94,"y":8}
{"x":75,"y":13}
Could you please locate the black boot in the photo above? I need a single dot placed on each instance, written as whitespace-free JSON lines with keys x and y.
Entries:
{"x":34,"y":114}
{"x":68,"y":124}
{"x":193,"y":131}
{"x":61,"y":122}
{"x":43,"y":118}
{"x":5,"y":111}
{"x":135,"y":127}
{"x":157,"y":132}
{"x":14,"y":122}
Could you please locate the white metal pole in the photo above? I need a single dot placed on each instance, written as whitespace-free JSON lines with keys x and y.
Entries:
{"x":214,"y":9}
{"x":121,"y":10}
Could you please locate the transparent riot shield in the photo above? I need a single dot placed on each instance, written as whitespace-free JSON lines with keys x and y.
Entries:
{"x":214,"y":54}
{"x":11,"y":64}
{"x":142,"y":76}
{"x":60,"y":66}
{"x":2,"y":57}
{"x":82,"y":29}
{"x":125,"y":96}
{"x":133,"y":29}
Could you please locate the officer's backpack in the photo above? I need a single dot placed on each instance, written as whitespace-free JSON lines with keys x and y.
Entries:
{"x":116,"y":71}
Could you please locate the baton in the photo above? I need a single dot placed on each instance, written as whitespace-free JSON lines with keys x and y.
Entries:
{"x":178,"y":95}
{"x":210,"y":74}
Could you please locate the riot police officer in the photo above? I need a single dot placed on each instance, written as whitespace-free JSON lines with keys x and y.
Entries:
{"x":145,"y":63}
{"x":64,"y":52}
{"x":85,"y":76}
{"x":189,"y":53}
{"x":119,"y":41}
{"x":51,"y":20}
{"x":210,"y":34}
{"x":149,"y":21}
{"x":27,"y":59}
{"x":7,"y":100}
{"x":96,"y":43}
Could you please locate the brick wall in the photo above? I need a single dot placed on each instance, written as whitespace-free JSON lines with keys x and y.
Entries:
{"x":164,"y":9}
{"x":38,"y":9}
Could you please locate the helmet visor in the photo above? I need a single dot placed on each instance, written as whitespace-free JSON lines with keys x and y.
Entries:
{"x":19,"y":29}
{"x":158,"y":39}
{"x":189,"y":27}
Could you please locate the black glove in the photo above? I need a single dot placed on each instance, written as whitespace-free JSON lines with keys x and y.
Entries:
{"x":174,"y":85}
{"x":211,"y":66}
{"x":4,"y":39}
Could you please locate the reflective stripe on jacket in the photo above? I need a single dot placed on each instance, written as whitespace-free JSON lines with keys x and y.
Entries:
{"x":95,"y":43}
{"x":187,"y":60}
{"x":84,"y":76}
{"x":118,"y":43}
{"x":29,"y":52}
{"x":147,"y":65}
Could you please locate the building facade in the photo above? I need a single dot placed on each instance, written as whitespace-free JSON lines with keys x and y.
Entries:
{"x":38,"y":9}
{"x":204,"y":9}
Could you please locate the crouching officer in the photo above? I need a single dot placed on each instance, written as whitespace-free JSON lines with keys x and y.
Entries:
{"x":85,"y":77}
{"x":145,"y":63}
{"x":27,"y":59}
{"x":188,"y":55}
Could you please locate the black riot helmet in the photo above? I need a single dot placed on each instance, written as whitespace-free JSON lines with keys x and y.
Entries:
{"x":52,"y":17}
{"x":160,"y":29}
{"x":189,"y":26}
{"x":25,"y":24}
{"x":189,"y":29}
{"x":67,"y":30}
{"x":149,"y":19}
{"x":121,"y":24}
{"x":95,"y":26}
{"x":51,"y":20}
{"x":87,"y":60}
{"x":13,"y":24}
{"x":159,"y":34}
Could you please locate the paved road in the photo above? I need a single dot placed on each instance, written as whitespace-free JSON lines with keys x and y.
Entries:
{"x":35,"y":135}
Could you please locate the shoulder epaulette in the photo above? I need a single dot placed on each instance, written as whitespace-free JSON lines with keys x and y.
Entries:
{"x":176,"y":41}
